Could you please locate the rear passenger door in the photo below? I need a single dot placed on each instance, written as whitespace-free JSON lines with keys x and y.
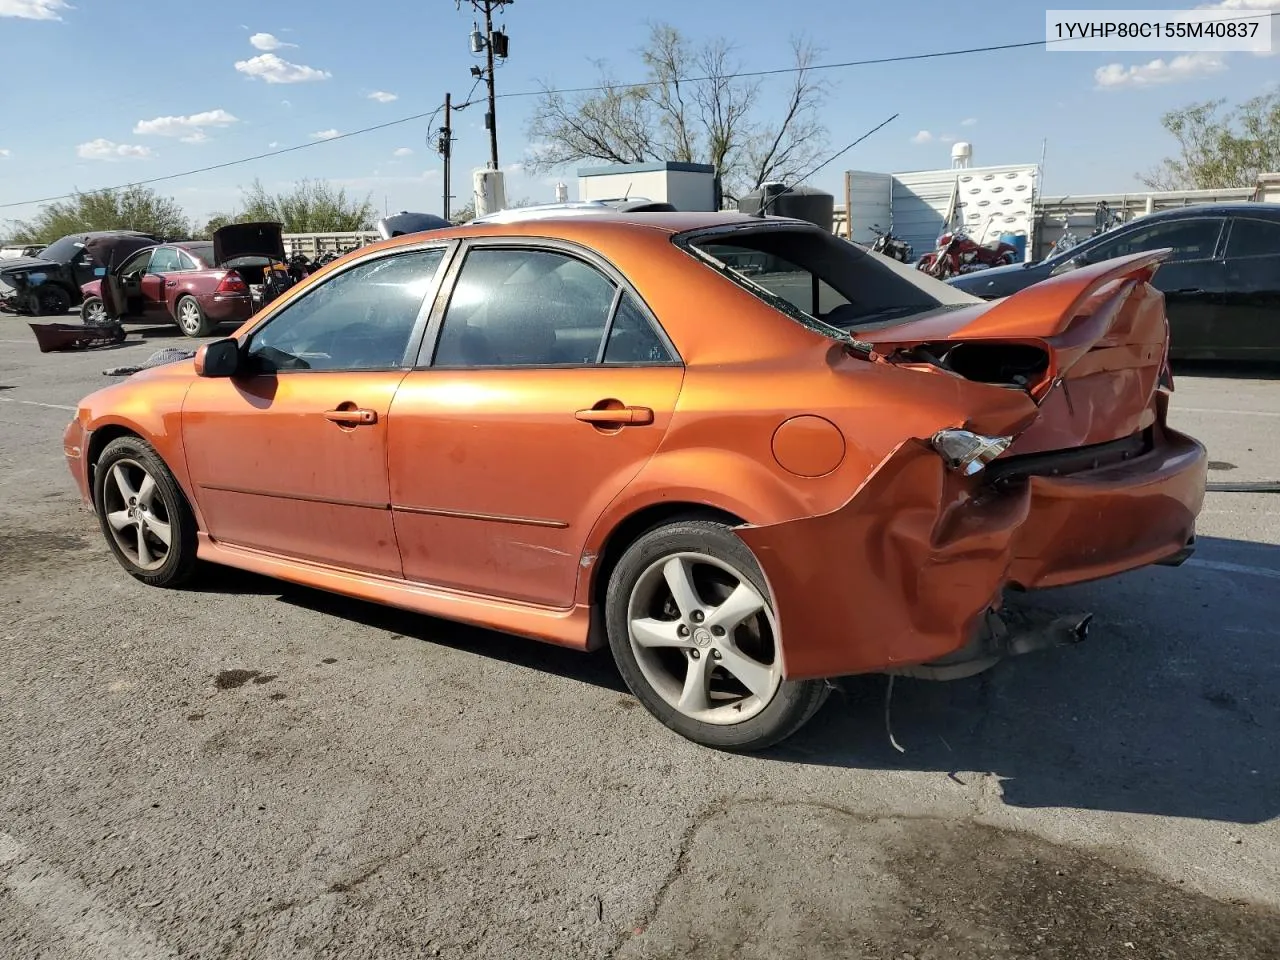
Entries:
{"x":544,"y":386}
{"x":1250,"y":324}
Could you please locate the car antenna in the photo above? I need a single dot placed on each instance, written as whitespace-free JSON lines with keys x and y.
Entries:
{"x":764,"y":207}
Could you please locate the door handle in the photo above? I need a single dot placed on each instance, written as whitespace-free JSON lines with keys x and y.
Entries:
{"x":171,"y":283}
{"x":618,"y":416}
{"x":352,"y":418}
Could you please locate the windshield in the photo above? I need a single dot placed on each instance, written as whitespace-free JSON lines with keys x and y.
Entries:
{"x":822,"y":280}
{"x":62,"y":251}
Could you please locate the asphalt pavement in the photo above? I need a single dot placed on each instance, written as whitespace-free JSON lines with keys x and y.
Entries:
{"x":249,"y":769}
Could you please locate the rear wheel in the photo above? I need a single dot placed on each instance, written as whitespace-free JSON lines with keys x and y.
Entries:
{"x":143,"y":513}
{"x":191,"y":318}
{"x":693,"y":632}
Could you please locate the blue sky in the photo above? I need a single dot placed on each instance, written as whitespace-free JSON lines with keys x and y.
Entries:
{"x":103,"y":92}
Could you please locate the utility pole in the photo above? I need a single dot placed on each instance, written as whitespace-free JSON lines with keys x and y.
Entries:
{"x":445,"y":148}
{"x":494,"y":46}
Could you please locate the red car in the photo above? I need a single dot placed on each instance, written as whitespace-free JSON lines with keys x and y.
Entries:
{"x":197,"y":284}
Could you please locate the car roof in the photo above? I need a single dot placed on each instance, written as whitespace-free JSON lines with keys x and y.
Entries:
{"x":1269,"y":211}
{"x":582,"y":229}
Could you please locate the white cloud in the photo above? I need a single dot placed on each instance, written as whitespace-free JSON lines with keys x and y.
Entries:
{"x":969,"y":122}
{"x":273,"y":144}
{"x":1187,"y":66}
{"x":324,"y":134}
{"x":198,"y":137}
{"x":265,"y":41}
{"x":178,"y":126}
{"x":273,"y":69}
{"x":382,"y":96}
{"x":513,"y":168}
{"x":5,"y":154}
{"x":947,"y":138}
{"x":34,"y":9}
{"x":104,"y":149}
{"x":403,"y":152}
{"x":924,"y":136}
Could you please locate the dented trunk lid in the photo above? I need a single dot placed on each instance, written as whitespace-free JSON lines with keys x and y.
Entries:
{"x":1094,"y":342}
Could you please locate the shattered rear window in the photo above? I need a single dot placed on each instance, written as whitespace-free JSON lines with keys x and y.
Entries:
{"x":821,"y":280}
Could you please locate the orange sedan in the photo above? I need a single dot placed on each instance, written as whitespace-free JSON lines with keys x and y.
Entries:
{"x":745,"y":454}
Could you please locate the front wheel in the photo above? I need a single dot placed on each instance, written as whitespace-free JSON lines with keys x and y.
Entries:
{"x":143,"y":513}
{"x":50,"y":301}
{"x":693,"y":632}
{"x":93,"y":313}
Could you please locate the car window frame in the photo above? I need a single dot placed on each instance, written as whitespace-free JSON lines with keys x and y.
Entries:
{"x":425,"y":359}
{"x":149,"y":251}
{"x":1226,"y":246}
{"x":1114,"y":236}
{"x":420,"y":323}
{"x":158,"y":249}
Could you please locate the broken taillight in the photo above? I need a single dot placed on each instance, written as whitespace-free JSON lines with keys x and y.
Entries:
{"x":967,"y":452}
{"x":232,"y":283}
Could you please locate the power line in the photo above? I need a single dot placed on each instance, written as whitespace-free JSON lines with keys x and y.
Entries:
{"x":595,"y":88}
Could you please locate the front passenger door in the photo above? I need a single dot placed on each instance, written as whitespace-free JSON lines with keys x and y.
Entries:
{"x":291,"y":457}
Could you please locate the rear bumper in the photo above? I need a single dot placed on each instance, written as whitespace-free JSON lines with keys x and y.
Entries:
{"x":905,"y":572}
{"x":224,"y":309}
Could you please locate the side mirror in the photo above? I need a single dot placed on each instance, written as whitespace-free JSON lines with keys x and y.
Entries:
{"x":221,"y":358}
{"x":1071,"y":263}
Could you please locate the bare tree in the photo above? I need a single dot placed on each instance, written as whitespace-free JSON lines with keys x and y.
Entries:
{"x":694,"y":107}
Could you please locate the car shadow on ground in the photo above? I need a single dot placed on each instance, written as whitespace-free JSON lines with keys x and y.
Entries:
{"x":1155,"y":714}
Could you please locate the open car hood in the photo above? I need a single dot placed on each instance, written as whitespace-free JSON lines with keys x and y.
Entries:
{"x":237,"y":240}
{"x":27,"y":265}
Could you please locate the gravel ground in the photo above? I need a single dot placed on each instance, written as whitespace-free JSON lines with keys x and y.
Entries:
{"x":249,"y":769}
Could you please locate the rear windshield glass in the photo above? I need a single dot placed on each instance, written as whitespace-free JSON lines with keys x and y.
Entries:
{"x":822,"y":280}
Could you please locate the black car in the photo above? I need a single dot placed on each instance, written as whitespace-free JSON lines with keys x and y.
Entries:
{"x":49,"y":283}
{"x":1221,"y":283}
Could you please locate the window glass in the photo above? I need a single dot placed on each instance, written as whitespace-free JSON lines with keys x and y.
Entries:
{"x":203,"y":252}
{"x":1253,"y":238}
{"x":185,"y":262}
{"x":632,"y":338}
{"x":524,"y":308}
{"x":361,"y":319}
{"x":164,"y":260}
{"x":1190,"y":240}
{"x":823,"y":281}
{"x":135,"y":263}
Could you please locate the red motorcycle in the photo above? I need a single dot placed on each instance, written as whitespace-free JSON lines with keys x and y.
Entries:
{"x":956,"y":253}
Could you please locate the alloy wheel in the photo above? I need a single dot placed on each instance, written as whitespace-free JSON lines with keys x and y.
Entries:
{"x":189,"y":315}
{"x":705,"y":638}
{"x":137,"y":515}
{"x":95,"y":314}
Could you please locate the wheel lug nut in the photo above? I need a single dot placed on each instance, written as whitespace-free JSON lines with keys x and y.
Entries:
{"x":697,"y":616}
{"x":682,"y":630}
{"x":718,"y":631}
{"x":715,"y":654}
{"x":694,"y":654}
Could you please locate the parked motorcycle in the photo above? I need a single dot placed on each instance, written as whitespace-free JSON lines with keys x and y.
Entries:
{"x":957,"y":253}
{"x":889,"y":245}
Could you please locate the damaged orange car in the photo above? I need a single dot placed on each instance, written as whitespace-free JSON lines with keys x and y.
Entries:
{"x":745,"y":454}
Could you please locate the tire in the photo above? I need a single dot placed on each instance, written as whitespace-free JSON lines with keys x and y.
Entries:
{"x":191,"y":318}
{"x":93,"y":312}
{"x":136,"y":537}
{"x":656,"y":641}
{"x":50,"y":301}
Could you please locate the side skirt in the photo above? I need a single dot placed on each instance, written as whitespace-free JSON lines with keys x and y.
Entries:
{"x":563,"y":627}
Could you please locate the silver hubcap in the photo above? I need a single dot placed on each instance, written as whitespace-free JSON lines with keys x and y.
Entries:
{"x":704,"y":638}
{"x":136,"y":515}
{"x":190,"y":315}
{"x":96,"y":313}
